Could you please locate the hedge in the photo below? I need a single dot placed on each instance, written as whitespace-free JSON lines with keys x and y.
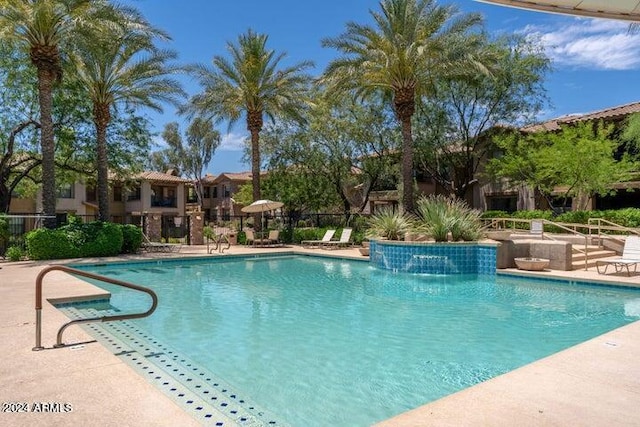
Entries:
{"x":94,"y":239}
{"x":132,"y":239}
{"x":50,"y":244}
{"x":628,"y":217}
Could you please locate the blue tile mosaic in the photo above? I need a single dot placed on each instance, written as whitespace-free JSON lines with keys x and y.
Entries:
{"x":434,"y":258}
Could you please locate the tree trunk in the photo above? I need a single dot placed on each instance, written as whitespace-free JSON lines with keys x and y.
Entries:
{"x":254,"y":125}
{"x":101,"y":119}
{"x":5,"y":198}
{"x":46,"y":77}
{"x":404,"y":105}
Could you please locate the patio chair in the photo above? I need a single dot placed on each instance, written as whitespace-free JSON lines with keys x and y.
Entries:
{"x":251,"y":238}
{"x":345,"y":240}
{"x":149,"y":246}
{"x":274,"y":237}
{"x":630,"y":256}
{"x":328,"y":235}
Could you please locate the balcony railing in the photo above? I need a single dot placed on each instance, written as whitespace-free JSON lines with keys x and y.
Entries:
{"x":163,"y":202}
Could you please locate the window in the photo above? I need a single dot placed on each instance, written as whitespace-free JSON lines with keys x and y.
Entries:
{"x":192,"y":197}
{"x":206,"y":192}
{"x":92,"y":194}
{"x":66,"y":191}
{"x":225,"y":191}
{"x":134,"y":194}
{"x":505,"y":203}
{"x":117,"y":193}
{"x":215,"y":192}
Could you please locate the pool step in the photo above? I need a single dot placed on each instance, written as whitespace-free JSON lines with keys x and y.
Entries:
{"x":594,"y":254}
{"x":210,"y":400}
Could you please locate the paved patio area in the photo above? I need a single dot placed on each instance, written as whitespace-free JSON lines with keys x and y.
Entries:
{"x":595,"y":383}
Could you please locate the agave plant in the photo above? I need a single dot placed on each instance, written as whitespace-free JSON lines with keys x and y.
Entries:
{"x":389,"y":224}
{"x":440,"y":215}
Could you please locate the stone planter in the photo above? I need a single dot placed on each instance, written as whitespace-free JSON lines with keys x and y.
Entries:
{"x":364,"y":251}
{"x":532,"y":264}
{"x":499,"y":235}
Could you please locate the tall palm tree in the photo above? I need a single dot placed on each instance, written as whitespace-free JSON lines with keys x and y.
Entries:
{"x":254,"y":85}
{"x":125,"y":70}
{"x":44,"y":28}
{"x":411,"y":43}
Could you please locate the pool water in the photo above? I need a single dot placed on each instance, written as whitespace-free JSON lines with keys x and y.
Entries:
{"x":323,"y":342}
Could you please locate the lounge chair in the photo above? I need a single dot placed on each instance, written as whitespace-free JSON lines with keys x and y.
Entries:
{"x":630,"y":256}
{"x":328,"y":235}
{"x":149,"y":246}
{"x":345,"y":240}
{"x":274,"y":237}
{"x":251,"y":238}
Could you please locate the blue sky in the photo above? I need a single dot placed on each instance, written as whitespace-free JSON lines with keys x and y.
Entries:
{"x":595,"y":62}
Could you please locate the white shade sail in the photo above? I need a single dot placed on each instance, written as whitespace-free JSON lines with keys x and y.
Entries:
{"x":627,"y":10}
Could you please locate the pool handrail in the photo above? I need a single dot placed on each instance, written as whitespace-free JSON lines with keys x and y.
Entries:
{"x":75,"y":271}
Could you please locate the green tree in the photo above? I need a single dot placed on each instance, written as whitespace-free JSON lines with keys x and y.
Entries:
{"x":579,"y":160}
{"x":346,"y":147}
{"x":192,"y":157}
{"x":412,"y":44}
{"x":455,"y":125}
{"x":254,"y":84}
{"x":122,"y":66}
{"x":44,"y":28}
{"x":20,"y":159}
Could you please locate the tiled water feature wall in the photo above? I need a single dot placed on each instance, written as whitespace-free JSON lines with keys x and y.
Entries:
{"x":434,"y":258}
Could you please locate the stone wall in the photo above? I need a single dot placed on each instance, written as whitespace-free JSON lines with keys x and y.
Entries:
{"x":558,"y":253}
{"x":195,"y":228}
{"x":154,"y":227}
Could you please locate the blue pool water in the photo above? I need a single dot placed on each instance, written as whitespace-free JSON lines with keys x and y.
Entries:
{"x":323,"y":342}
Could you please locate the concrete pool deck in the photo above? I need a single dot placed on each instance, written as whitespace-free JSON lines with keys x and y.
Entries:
{"x":595,"y":383}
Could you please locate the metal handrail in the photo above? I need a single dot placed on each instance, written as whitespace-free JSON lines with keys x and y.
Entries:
{"x":70,"y":270}
{"x":496,"y":221}
{"x":218,"y":241}
{"x":612,"y":226}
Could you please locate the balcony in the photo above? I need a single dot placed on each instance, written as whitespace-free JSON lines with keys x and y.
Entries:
{"x":163,"y":202}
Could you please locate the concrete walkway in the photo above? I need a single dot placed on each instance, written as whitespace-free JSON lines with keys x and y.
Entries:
{"x":593,"y":384}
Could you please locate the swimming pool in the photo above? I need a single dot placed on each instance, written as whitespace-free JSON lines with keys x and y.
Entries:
{"x":321,"y":341}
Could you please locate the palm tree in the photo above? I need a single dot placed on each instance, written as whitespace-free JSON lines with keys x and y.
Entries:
{"x":44,"y":28}
{"x":411,"y":43}
{"x":252,"y":84}
{"x":125,"y":70}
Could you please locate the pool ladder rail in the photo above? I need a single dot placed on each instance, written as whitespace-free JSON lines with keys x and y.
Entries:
{"x":77,"y":272}
{"x":218,"y":241}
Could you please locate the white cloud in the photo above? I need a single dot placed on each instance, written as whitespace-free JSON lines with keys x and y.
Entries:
{"x":590,"y":43}
{"x":232,"y":142}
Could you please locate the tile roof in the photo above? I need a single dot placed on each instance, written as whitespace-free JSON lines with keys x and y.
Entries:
{"x":160,"y":176}
{"x":611,"y":113}
{"x":232,"y":176}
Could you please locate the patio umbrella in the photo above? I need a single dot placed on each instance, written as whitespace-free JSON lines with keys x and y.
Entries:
{"x":262,"y":206}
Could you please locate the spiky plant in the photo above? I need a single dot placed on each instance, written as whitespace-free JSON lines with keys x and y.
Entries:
{"x":389,"y":224}
{"x":434,"y":216}
{"x":440,"y":215}
{"x":465,"y":221}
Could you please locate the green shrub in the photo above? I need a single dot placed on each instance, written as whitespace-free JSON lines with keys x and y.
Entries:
{"x":389,"y":224}
{"x":4,"y":234}
{"x":300,"y":234}
{"x":15,"y":253}
{"x":535,"y":214}
{"x":96,"y":239}
{"x":131,"y":239}
{"x":575,"y":217}
{"x":50,"y":244}
{"x":441,"y":215}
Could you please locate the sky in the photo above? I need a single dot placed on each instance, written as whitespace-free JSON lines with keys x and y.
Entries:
{"x":596,"y":62}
